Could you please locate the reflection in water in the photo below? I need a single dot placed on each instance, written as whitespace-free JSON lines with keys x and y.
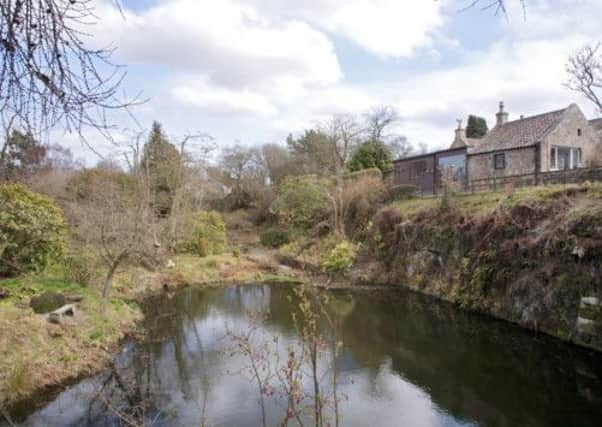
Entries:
{"x":406,"y":360}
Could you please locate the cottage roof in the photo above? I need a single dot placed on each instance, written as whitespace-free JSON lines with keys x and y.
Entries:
{"x":518,"y":133}
{"x":596,"y":124}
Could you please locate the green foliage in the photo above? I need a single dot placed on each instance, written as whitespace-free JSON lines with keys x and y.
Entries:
{"x":162,"y":163}
{"x":209,"y":237}
{"x":476,"y":127}
{"x":24,"y":154}
{"x":313,"y":152}
{"x":47,"y":302}
{"x":274,"y":238}
{"x":303,"y":200}
{"x":340,"y":259}
{"x":371,"y":154}
{"x":80,"y":266}
{"x":402,"y":192}
{"x":32,"y":231}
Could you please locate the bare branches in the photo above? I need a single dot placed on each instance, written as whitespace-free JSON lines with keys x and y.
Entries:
{"x":48,"y":74}
{"x":378,"y":119}
{"x":498,"y":6}
{"x":585,"y":74}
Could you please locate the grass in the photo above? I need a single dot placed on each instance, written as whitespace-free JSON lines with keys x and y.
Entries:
{"x":486,"y":202}
{"x":36,"y":354}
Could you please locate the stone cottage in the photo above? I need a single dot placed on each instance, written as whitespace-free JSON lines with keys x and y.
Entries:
{"x":523,"y":148}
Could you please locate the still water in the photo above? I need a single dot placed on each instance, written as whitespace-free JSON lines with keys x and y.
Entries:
{"x":405,"y":360}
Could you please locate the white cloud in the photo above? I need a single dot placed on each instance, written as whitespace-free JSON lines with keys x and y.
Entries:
{"x":395,"y":28}
{"x":238,"y":53}
{"x":219,"y":100}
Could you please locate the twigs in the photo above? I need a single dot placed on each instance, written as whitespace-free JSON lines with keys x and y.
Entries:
{"x":49,"y":75}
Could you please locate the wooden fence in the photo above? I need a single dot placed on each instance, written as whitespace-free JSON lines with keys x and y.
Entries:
{"x":567,"y":176}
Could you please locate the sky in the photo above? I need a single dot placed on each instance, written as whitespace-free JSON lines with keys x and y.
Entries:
{"x":253,"y":71}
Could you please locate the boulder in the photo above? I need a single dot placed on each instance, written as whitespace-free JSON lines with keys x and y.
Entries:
{"x":56,"y":316}
{"x":47,"y":302}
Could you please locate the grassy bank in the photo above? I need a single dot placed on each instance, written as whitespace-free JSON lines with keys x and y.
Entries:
{"x":36,"y":355}
{"x":528,"y":256}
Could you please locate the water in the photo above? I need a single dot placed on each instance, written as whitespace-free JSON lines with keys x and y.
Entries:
{"x":406,"y":360}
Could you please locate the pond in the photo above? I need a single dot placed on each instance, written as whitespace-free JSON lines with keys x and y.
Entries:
{"x":402,"y":359}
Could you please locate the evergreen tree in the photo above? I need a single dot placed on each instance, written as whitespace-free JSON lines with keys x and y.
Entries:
{"x":476,"y":127}
{"x":21,"y":156}
{"x":371,"y":154}
{"x":161,"y":162}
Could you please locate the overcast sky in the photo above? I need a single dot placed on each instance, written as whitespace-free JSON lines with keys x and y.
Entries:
{"x":256,"y":70}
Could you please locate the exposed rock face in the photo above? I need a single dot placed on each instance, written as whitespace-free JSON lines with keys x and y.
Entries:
{"x":538,"y":264}
{"x":47,"y":302}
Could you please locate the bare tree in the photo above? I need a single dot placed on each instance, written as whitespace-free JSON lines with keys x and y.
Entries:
{"x":378,"y":119}
{"x":49,"y":75}
{"x":344,"y":134}
{"x":113,"y":216}
{"x":585,"y":74}
{"x":498,"y":6}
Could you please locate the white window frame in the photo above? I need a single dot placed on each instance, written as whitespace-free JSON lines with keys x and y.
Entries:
{"x":575,"y":157}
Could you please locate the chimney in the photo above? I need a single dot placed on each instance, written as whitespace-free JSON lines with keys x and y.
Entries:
{"x":501,"y":116}
{"x":460,"y":139}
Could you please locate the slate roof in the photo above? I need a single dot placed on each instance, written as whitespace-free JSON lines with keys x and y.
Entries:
{"x":518,"y":133}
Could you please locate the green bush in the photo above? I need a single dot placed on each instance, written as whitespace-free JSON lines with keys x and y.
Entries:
{"x":209,"y":237}
{"x":340,"y":259}
{"x":80,"y":267}
{"x":274,"y":238}
{"x":32,"y":231}
{"x":303,"y":200}
{"x":402,"y":192}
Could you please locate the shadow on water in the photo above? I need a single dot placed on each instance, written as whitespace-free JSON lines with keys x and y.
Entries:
{"x":406,"y":360}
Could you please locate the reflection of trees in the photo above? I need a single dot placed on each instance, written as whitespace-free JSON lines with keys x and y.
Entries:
{"x":474,"y":368}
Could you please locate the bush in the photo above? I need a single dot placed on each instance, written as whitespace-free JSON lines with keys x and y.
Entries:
{"x":402,"y":192}
{"x":340,"y":259}
{"x":80,"y":267}
{"x":385,"y":223}
{"x":371,"y":154}
{"x":362,"y":197}
{"x":32,"y":231}
{"x":303,"y":201}
{"x":209,"y":237}
{"x":274,"y":238}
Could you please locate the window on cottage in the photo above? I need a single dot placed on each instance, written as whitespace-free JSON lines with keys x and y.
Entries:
{"x":578,"y":132}
{"x":499,"y":161}
{"x":553,"y":161}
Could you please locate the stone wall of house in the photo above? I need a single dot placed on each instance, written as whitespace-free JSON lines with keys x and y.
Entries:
{"x":566,"y":135}
{"x":518,"y":162}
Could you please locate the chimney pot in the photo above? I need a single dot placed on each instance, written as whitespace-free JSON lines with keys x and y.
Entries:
{"x":502,"y":116}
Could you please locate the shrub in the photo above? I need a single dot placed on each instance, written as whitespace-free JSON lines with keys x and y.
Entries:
{"x":303,"y":200}
{"x":32,"y":231}
{"x":340,"y":259}
{"x":80,"y":266}
{"x":274,"y":238}
{"x":371,"y":154}
{"x":385,"y":223}
{"x":402,"y":192}
{"x":209,"y":237}
{"x":362,"y":197}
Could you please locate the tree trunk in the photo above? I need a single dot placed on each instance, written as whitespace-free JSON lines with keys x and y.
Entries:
{"x":109,"y":278}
